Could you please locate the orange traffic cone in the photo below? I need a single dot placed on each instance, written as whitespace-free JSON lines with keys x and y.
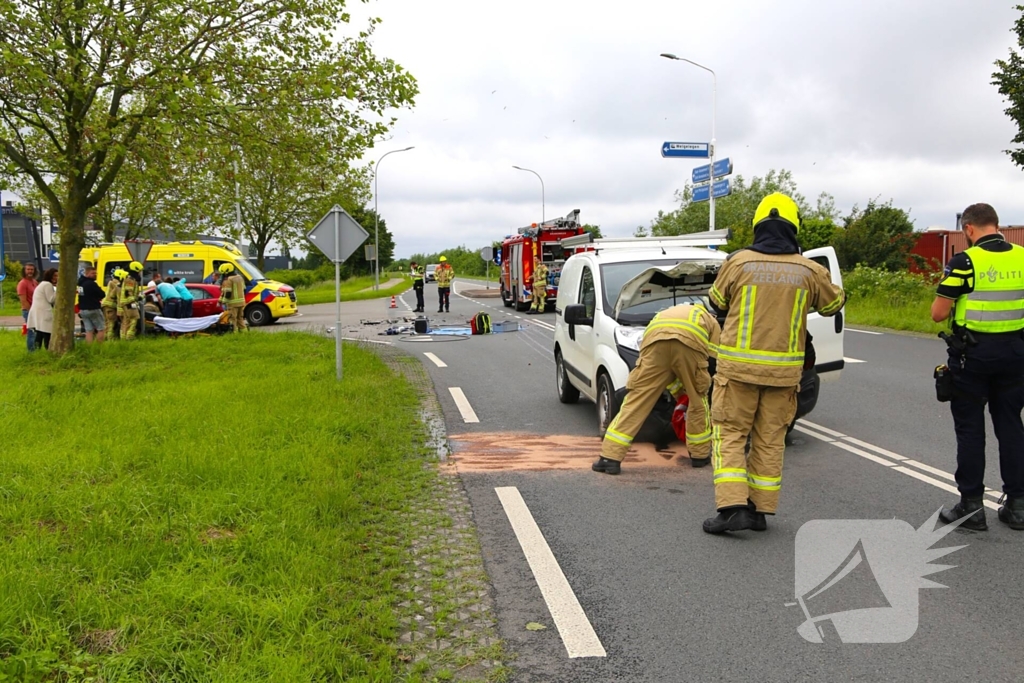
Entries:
{"x":393,"y":304}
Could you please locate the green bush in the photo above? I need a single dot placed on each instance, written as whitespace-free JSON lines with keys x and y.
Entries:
{"x":899,"y":287}
{"x":308,"y":278}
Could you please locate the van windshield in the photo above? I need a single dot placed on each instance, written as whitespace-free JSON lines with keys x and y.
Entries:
{"x":614,"y":277}
{"x":251,"y":271}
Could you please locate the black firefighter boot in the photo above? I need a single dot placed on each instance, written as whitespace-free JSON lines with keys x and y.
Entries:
{"x":1012,"y":513}
{"x":967,"y":507}
{"x":607,"y":465}
{"x":760,"y":521}
{"x":737,"y":518}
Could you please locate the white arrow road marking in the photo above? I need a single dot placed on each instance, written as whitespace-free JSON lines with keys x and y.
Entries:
{"x":468,"y":414}
{"x":853,"y":360}
{"x":437,"y":361}
{"x":894,"y":461}
{"x":576,"y":631}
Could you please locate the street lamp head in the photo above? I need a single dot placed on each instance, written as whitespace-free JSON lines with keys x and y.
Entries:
{"x":406,"y":149}
{"x":518,"y":168}
{"x":668,"y":55}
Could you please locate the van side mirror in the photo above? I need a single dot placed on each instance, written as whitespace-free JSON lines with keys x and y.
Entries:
{"x":576,"y":314}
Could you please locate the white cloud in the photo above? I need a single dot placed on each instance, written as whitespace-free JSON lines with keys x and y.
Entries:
{"x":861,"y":99}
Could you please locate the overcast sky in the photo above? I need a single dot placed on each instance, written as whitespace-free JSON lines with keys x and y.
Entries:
{"x":861,"y":99}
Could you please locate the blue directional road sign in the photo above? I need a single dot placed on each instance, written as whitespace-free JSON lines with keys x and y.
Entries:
{"x":676,"y":150}
{"x":701,"y":193}
{"x":702,"y":174}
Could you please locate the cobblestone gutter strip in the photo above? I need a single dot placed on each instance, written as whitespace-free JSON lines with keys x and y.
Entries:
{"x":447,"y":628}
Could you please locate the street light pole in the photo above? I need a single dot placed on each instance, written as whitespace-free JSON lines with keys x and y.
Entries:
{"x":714,"y":112}
{"x":376,"y":220}
{"x":542,"y":216}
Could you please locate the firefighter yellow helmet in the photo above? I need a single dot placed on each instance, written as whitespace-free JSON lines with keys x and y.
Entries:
{"x":443,"y":259}
{"x":226,"y":268}
{"x":778,"y":206}
{"x":135,"y":267}
{"x":120,"y":273}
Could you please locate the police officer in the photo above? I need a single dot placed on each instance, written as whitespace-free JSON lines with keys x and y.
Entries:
{"x":232,"y":296}
{"x":417,"y":285}
{"x":540,"y":287}
{"x":765,"y":292}
{"x":983,"y":287}
{"x":129,"y":300}
{"x":673,"y":354}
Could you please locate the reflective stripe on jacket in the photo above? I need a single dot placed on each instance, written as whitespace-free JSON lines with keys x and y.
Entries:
{"x":232,"y":291}
{"x":997,"y":302}
{"x":444,"y":274}
{"x":692,"y":325}
{"x":110,"y":300}
{"x":768,"y":297}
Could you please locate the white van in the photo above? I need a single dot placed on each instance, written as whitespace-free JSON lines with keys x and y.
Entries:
{"x":609,"y":294}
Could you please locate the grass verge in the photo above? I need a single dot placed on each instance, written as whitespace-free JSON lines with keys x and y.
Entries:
{"x":879,"y":311}
{"x":209,"y":509}
{"x":351,"y":290}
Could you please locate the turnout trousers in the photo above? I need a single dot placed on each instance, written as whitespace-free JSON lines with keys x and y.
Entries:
{"x":738,"y":410}
{"x":443,"y":298}
{"x":236,"y":314}
{"x":540,"y":299}
{"x":129,"y":323}
{"x":991,"y":372}
{"x":665,"y":364}
{"x":110,"y":318}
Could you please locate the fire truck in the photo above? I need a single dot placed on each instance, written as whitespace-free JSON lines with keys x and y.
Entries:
{"x":536,"y":241}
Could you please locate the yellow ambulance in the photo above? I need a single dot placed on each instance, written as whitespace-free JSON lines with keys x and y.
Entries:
{"x":266,"y":301}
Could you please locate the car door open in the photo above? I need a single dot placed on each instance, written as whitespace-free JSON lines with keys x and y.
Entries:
{"x":827,"y":333}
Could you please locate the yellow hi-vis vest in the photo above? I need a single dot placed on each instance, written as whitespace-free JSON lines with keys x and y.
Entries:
{"x":997,"y":302}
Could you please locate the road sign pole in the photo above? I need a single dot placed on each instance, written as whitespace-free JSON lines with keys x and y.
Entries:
{"x":337,"y":297}
{"x":714,"y":112}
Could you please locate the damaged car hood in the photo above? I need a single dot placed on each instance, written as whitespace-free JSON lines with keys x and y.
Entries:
{"x":687,"y":278}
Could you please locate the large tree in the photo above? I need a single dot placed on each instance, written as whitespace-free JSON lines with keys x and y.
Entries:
{"x":83,"y":81}
{"x":1009,"y":77}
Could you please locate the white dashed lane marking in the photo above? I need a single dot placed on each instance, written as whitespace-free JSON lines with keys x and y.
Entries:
{"x":437,"y":361}
{"x":573,"y":626}
{"x":462,"y":403}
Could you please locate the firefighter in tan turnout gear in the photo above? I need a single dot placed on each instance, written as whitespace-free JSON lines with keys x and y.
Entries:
{"x":109,"y":303}
{"x":232,"y":296}
{"x":765,"y":292}
{"x":673,"y":355}
{"x":540,"y":287}
{"x":129,"y":300}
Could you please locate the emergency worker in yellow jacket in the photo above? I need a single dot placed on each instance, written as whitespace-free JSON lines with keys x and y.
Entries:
{"x":444,"y":274}
{"x":673,"y":355}
{"x":232,"y":296}
{"x":540,"y":287}
{"x":983,"y":288}
{"x":765,"y":293}
{"x":109,"y":303}
{"x":129,"y":300}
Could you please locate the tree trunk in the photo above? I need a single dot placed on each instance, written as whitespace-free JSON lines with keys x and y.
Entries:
{"x":72,"y":239}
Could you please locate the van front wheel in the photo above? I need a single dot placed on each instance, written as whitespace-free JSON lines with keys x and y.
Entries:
{"x":257,"y":315}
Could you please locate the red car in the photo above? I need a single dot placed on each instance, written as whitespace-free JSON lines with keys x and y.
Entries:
{"x":205,"y":299}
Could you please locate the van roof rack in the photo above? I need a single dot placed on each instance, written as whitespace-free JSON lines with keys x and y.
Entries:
{"x":710,"y":238}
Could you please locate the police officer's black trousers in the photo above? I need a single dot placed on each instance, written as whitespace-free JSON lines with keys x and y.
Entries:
{"x":992,"y":371}
{"x":417,"y":286}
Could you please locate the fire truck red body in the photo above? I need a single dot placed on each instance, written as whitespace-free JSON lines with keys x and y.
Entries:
{"x":519,"y":250}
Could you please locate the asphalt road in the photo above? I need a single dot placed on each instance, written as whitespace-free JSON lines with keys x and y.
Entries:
{"x":647,"y":596}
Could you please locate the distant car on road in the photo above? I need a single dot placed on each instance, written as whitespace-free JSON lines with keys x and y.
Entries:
{"x":608,"y":295}
{"x":429,"y":273}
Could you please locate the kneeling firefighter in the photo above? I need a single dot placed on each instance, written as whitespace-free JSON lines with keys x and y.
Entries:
{"x":674,"y":355}
{"x":765,"y":292}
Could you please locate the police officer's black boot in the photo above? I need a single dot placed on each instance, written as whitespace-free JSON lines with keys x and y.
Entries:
{"x":737,"y":518}
{"x":967,"y":507}
{"x":1012,"y":513}
{"x":607,"y":465}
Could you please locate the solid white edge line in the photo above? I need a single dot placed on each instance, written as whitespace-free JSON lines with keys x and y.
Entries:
{"x":462,"y":403}
{"x":877,"y":334}
{"x":800,"y":428}
{"x":577,"y":633}
{"x":826,"y":430}
{"x":864,"y":454}
{"x":876,"y":449}
{"x":437,"y":361}
{"x":367,"y":341}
